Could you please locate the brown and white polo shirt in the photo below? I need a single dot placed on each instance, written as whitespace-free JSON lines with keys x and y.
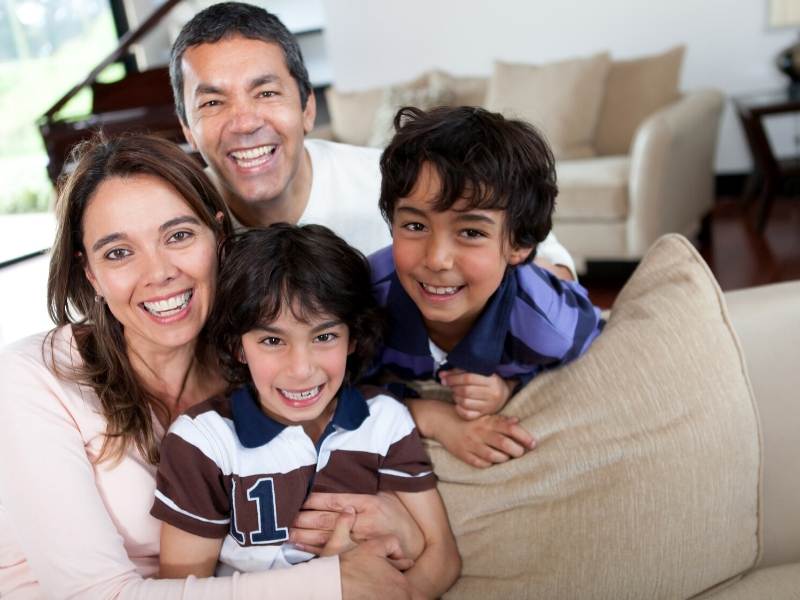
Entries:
{"x":229,"y":470}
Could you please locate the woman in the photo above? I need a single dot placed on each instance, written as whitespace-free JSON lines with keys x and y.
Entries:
{"x":84,"y":407}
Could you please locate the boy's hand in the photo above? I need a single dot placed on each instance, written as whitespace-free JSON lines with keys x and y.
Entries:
{"x":377,"y":515}
{"x":340,"y":540}
{"x":476,"y":395}
{"x":484,"y":441}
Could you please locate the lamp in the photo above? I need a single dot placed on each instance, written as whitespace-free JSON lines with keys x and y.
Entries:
{"x":786,"y":13}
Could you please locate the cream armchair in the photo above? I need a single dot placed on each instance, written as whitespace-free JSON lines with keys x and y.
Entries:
{"x":635,"y":158}
{"x":615,"y":207}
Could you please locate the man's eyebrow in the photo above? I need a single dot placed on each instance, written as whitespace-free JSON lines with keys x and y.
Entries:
{"x":179,"y":221}
{"x":263,"y":80}
{"x":207,"y":88}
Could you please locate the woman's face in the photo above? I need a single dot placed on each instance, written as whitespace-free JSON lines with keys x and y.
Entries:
{"x":152,"y":260}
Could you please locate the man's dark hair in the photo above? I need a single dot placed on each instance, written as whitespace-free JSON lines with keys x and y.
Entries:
{"x":482,"y":157}
{"x":231,"y":19}
{"x":307,"y":269}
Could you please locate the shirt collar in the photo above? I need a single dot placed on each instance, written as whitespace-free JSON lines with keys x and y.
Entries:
{"x":255,"y":428}
{"x":481,"y":349}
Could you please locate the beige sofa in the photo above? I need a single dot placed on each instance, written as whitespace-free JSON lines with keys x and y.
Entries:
{"x":668,"y":456}
{"x":635,"y":157}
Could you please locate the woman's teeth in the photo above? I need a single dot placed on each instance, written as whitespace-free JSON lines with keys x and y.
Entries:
{"x":304,"y":395}
{"x":440,"y":291}
{"x":170,"y":306}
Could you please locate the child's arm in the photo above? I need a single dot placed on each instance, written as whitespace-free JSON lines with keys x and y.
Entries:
{"x":183,"y":554}
{"x":481,"y":442}
{"x":476,"y":395}
{"x":439,"y":565}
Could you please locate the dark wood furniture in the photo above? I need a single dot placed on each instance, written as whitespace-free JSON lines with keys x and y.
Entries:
{"x":141,"y":102}
{"x":768,"y":170}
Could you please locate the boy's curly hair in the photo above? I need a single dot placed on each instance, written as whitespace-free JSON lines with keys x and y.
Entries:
{"x":481,"y":157}
{"x":307,"y":269}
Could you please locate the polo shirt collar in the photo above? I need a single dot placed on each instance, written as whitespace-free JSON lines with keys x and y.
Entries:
{"x":481,"y":349}
{"x":255,"y":428}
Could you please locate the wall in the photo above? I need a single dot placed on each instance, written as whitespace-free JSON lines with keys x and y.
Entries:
{"x":372,"y":42}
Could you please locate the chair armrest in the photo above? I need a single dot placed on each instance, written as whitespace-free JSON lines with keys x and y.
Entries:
{"x":767,"y":323}
{"x":672,"y":169}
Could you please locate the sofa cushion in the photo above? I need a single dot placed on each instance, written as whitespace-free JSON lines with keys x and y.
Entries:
{"x":635,"y":89}
{"x":562,"y":98}
{"x":429,"y":90}
{"x":644,"y":482}
{"x":352,"y":114}
{"x":776,"y":583}
{"x":593,"y":189}
{"x":467,"y":91}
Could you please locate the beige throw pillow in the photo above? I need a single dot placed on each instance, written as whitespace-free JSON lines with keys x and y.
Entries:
{"x":562,"y":99}
{"x":426,"y":92}
{"x":645,"y":480}
{"x":635,"y":89}
{"x":352,"y":114}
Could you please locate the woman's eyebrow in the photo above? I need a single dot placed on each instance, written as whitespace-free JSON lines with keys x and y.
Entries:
{"x":179,"y":221}
{"x":118,"y":235}
{"x":107,"y":239}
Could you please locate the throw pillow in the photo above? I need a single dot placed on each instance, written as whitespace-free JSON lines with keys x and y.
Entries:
{"x":635,"y":89}
{"x":645,"y":480}
{"x":352,"y":114}
{"x":426,"y":92}
{"x":562,"y":99}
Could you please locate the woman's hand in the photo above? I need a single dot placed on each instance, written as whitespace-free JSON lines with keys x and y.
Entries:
{"x":367,"y":571}
{"x":476,"y":395}
{"x":376,"y":515}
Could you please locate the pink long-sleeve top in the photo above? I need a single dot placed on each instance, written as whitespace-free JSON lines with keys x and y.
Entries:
{"x":73,"y":527}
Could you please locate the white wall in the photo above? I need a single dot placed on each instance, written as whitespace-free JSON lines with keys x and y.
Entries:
{"x":374,"y":42}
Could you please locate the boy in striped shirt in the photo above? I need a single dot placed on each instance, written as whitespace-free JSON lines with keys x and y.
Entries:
{"x":294,"y":324}
{"x":468,"y":195}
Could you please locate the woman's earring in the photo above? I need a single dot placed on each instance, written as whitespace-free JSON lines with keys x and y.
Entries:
{"x":98,"y":299}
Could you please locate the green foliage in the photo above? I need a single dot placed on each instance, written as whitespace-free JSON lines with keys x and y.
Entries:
{"x":28,"y":87}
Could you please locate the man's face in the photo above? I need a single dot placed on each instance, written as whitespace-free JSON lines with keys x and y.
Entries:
{"x":244,"y":115}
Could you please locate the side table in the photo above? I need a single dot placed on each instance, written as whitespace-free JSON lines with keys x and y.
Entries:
{"x":767,"y":169}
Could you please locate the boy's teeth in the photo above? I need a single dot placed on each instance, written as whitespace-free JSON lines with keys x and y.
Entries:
{"x":305,"y":395}
{"x":252,"y":153}
{"x":170,"y":306}
{"x":440,"y":291}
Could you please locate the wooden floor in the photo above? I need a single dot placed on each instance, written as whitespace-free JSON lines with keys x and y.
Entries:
{"x":738,"y":255}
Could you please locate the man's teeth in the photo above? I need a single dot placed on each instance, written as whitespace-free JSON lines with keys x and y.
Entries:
{"x":170,"y":306}
{"x":440,"y":291}
{"x":251,"y":154}
{"x":301,"y":395}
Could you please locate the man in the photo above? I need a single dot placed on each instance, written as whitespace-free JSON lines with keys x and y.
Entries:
{"x":245,"y":103}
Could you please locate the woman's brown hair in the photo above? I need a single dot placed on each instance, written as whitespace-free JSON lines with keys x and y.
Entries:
{"x":127,"y":406}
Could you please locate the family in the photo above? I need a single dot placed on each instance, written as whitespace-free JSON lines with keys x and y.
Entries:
{"x":224,"y":408}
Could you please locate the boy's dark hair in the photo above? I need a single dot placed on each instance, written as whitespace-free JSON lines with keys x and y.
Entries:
{"x":306,"y":268}
{"x":491,"y":161}
{"x":227,"y":20}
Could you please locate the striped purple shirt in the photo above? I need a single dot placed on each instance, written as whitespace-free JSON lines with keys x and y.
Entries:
{"x":533,"y":322}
